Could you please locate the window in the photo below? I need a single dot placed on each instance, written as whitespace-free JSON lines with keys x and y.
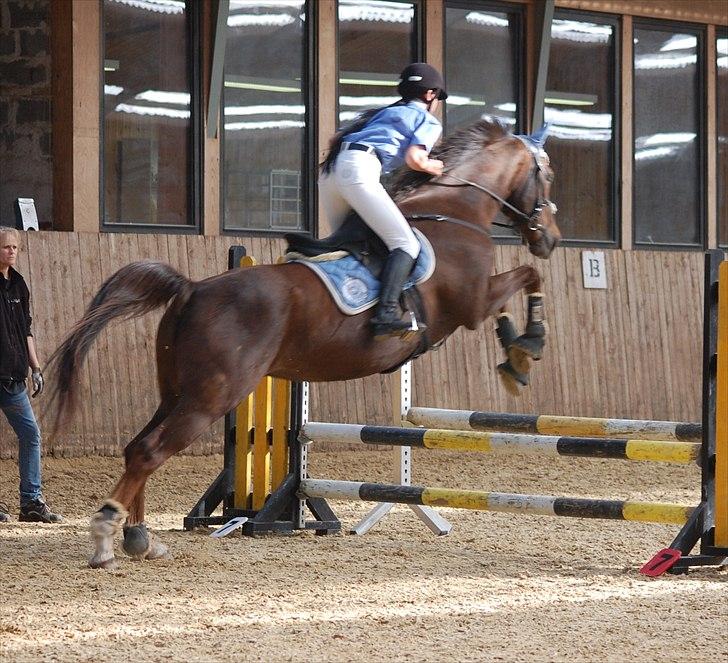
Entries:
{"x":668,"y":200}
{"x":147,"y":121}
{"x":265,"y":116}
{"x":482,"y":62}
{"x":580,"y":103}
{"x":721,"y":43}
{"x":377,"y":39}
{"x":482,"y":65}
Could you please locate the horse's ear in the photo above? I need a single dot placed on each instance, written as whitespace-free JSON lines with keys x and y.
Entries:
{"x":539,"y":137}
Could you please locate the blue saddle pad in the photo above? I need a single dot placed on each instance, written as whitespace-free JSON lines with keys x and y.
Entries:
{"x":352,"y":285}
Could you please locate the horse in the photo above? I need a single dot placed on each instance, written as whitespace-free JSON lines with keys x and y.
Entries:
{"x":220,"y":336}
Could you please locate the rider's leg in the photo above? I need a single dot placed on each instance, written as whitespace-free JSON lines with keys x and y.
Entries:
{"x":335,"y":206}
{"x":387,"y":320}
{"x":357,"y":177}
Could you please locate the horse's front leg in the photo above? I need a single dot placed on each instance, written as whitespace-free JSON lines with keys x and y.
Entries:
{"x":529,"y":345}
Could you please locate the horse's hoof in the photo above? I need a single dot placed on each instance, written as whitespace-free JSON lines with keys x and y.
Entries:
{"x":519,"y":360}
{"x":140,"y":544}
{"x":531,"y":346}
{"x":157,"y":550}
{"x":136,"y":541}
{"x":512,"y":380}
{"x":106,"y":563}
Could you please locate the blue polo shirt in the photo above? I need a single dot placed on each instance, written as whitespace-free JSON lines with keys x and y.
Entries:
{"x":395,"y":128}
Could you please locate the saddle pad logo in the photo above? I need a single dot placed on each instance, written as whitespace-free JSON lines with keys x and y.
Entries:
{"x":354,"y":290}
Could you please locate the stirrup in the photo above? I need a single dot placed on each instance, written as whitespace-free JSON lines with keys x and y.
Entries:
{"x":398,"y":328}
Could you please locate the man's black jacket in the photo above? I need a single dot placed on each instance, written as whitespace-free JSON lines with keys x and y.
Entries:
{"x":15,"y":323}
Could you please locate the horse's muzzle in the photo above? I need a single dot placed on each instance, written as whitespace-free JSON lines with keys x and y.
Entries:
{"x":543,"y":244}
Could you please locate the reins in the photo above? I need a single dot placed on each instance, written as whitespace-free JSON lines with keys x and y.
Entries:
{"x":504,"y":203}
{"x":451,"y":219}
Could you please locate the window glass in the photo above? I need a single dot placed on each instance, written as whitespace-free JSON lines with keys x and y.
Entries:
{"x":264,"y":122}
{"x":481,"y":65}
{"x":667,"y":190}
{"x":376,"y":41}
{"x":146,"y":113}
{"x":722,"y":130}
{"x":580,"y":105}
{"x":481,"y":71}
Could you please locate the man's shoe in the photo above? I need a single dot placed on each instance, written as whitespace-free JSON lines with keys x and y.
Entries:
{"x":4,"y":514}
{"x":37,"y":511}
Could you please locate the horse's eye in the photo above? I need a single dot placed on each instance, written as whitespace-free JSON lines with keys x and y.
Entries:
{"x":550,"y":178}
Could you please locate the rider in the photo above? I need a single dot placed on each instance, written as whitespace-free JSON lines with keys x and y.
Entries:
{"x":376,"y":142}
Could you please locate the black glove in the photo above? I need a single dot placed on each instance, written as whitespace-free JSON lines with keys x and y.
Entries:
{"x":38,"y":383}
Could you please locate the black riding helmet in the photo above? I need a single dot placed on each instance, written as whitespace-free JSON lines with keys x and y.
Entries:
{"x":418,"y":77}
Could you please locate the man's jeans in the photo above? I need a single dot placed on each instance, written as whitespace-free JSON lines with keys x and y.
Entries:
{"x":19,"y":413}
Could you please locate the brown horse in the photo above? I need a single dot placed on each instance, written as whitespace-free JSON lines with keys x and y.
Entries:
{"x":220,"y":336}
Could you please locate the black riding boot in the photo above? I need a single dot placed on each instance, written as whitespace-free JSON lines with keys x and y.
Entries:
{"x":387,"y":320}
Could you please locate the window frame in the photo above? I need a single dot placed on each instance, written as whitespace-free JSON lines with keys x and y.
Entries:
{"x":615,"y":76}
{"x":195,"y":202}
{"x":700,"y":31}
{"x":721,"y":32}
{"x":309,"y":88}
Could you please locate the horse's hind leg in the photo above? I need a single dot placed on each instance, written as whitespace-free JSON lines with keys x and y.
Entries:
{"x":143,"y":456}
{"x":520,"y":350}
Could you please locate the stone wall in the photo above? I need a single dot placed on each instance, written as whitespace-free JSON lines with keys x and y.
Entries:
{"x":25,"y":108}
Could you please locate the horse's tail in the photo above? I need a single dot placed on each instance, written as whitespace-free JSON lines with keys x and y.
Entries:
{"x":134,"y":290}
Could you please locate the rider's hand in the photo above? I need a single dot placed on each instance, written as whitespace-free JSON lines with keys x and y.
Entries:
{"x":37,"y":378}
{"x":434,"y":167}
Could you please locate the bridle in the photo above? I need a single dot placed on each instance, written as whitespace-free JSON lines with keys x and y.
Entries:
{"x":533,"y":220}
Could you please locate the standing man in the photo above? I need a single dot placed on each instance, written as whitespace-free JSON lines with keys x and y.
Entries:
{"x":17,"y":353}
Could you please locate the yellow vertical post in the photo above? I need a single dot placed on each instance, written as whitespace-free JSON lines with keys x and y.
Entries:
{"x":244,"y":423}
{"x":721,"y":411}
{"x":281,"y":422}
{"x":261,"y":447}
{"x":243,"y":454}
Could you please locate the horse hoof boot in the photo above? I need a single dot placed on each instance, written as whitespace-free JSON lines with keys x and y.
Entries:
{"x":136,"y":541}
{"x":105,"y":523}
{"x":512,"y":380}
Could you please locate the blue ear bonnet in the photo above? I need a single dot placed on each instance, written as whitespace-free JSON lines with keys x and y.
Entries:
{"x":537,"y":138}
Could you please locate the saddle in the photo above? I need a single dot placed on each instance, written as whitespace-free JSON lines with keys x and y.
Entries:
{"x":354,"y":237}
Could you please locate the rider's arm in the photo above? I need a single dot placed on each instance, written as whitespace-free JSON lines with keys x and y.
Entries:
{"x":417,"y":159}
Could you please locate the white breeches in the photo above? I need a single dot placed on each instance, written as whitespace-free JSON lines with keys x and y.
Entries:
{"x":354,"y":184}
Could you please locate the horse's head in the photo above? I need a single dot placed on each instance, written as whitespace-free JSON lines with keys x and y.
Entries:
{"x":486,"y":169}
{"x":529,"y":205}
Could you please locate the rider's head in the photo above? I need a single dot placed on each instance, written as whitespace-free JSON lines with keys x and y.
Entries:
{"x":420,"y":80}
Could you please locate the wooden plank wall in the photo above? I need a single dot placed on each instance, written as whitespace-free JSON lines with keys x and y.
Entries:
{"x":630,"y":351}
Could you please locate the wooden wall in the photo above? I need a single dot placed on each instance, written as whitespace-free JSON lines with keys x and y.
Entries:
{"x":633,"y":350}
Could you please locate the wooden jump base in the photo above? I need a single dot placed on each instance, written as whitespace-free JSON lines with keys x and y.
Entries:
{"x":454,"y":440}
{"x":539,"y":505}
{"x":261,"y":467}
{"x":547,"y":424}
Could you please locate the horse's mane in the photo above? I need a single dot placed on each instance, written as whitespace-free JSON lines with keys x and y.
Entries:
{"x":453,"y":150}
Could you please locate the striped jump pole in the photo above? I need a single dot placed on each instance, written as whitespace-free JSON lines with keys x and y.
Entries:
{"x":666,"y":451}
{"x":542,"y":505}
{"x":547,"y":424}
